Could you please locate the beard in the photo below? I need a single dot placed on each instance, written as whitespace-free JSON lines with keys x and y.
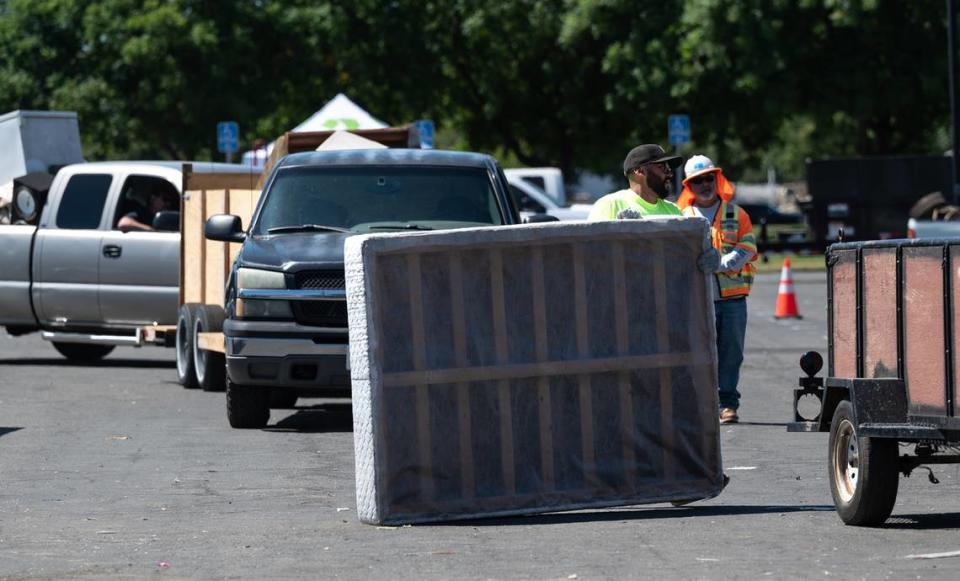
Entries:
{"x":659,"y":185}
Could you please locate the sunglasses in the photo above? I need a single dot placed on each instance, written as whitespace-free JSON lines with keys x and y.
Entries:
{"x":664,"y":166}
{"x":705,"y":179}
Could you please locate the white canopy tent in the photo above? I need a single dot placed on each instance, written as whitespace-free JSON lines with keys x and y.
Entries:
{"x":339,"y":113}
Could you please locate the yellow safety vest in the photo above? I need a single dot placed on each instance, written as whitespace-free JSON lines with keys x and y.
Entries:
{"x":731,"y":229}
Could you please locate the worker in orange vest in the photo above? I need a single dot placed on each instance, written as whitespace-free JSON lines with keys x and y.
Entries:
{"x":708,"y":194}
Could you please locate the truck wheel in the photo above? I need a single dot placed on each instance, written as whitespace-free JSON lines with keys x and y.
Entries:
{"x":248,"y":407}
{"x":186,"y":372}
{"x":283,"y":398}
{"x":210,"y":366}
{"x":82,"y":351}
{"x":864,"y":472}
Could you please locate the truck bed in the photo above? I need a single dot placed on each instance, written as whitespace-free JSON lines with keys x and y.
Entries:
{"x":15,"y":252}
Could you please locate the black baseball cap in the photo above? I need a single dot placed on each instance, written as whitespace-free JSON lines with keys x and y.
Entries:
{"x":649,"y":153}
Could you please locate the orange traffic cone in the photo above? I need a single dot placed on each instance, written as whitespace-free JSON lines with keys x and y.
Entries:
{"x":786,"y":299}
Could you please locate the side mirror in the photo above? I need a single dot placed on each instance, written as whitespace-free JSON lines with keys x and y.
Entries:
{"x":225,"y":228}
{"x":166,"y":221}
{"x":540,"y":218}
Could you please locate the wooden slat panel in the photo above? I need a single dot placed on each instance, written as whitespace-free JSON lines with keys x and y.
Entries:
{"x":503,"y":386}
{"x":543,"y":382}
{"x":191,"y":240}
{"x":390,"y":136}
{"x":242,"y":204}
{"x":467,"y":477}
{"x":547,"y":368}
{"x":211,"y":342}
{"x":663,"y":345}
{"x":424,"y":440}
{"x":215,"y":260}
{"x":623,"y":377}
{"x":279,"y":150}
{"x":220,"y":181}
{"x":583,"y":350}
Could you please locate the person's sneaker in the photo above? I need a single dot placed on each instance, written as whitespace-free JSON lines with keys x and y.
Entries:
{"x":728,"y":416}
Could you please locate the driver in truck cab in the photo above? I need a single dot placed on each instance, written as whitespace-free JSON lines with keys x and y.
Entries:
{"x":141,"y":218}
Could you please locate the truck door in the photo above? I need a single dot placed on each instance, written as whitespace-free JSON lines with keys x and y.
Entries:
{"x":68,"y":252}
{"x":139,"y":270}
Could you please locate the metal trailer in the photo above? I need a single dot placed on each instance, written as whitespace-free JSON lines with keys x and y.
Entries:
{"x":889,"y":400}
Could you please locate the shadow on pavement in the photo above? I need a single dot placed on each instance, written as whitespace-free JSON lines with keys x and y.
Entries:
{"x":919,"y":522}
{"x":5,"y":431}
{"x":779,"y":424}
{"x":326,"y":417}
{"x":644,"y":514}
{"x":108,"y":363}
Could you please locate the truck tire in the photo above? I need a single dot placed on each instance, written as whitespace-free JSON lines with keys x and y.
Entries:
{"x":210,"y":366}
{"x":83,"y":351}
{"x":864,"y":472}
{"x":186,"y":372}
{"x":283,"y":398}
{"x":248,"y":407}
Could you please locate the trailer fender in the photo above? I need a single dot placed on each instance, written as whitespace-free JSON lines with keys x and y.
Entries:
{"x":874,"y":401}
{"x":833,"y":394}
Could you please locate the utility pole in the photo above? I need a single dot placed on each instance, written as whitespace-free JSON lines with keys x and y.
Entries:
{"x":955,"y":120}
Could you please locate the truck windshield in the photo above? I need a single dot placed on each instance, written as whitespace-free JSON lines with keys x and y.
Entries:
{"x":379,"y":199}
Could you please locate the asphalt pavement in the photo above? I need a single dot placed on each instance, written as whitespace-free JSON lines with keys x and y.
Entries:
{"x":113,"y":471}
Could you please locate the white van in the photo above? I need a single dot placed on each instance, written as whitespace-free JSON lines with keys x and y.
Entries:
{"x":548,"y":179}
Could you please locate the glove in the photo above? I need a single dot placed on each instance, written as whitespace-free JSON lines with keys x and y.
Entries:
{"x":734,"y":260}
{"x":709,"y":261}
{"x":629,"y":214}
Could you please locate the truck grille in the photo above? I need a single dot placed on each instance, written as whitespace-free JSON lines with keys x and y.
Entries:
{"x":320,"y":313}
{"x":320,"y":279}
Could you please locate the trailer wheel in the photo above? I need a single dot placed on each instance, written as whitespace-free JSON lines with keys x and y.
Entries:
{"x":82,"y":351}
{"x":186,"y":371}
{"x":864,"y":472}
{"x":210,"y":366}
{"x":248,"y":407}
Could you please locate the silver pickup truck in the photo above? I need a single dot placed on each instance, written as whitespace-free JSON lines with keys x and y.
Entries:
{"x":77,"y":277}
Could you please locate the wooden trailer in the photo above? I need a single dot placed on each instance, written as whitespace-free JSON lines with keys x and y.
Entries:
{"x":205,"y":265}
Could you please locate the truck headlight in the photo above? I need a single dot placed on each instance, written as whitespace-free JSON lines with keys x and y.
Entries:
{"x":255,"y":278}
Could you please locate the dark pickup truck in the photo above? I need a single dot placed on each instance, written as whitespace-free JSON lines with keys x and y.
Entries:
{"x":285,"y":330}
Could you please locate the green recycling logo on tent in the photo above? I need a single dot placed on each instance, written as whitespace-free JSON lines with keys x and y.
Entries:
{"x":345,"y":122}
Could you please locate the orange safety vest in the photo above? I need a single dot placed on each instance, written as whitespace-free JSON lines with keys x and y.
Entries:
{"x":731,"y":229}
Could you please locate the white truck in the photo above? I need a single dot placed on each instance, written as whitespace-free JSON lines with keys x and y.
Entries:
{"x":547,"y":179}
{"x":533,"y":201}
{"x":77,"y":278}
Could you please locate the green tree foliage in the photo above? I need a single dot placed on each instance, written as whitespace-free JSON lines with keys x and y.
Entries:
{"x":574,"y":83}
{"x":151,"y":78}
{"x":770,"y":81}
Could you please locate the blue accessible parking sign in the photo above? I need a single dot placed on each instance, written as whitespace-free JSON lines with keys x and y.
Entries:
{"x":678,"y":127}
{"x":228,"y":136}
